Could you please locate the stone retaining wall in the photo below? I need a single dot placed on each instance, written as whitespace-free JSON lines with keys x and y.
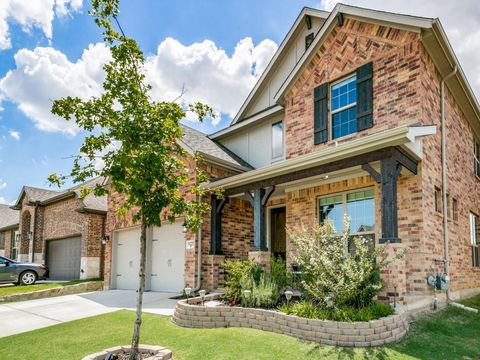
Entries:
{"x":359,"y":334}
{"x":57,"y":291}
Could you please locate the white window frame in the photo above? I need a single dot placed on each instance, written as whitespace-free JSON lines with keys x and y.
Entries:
{"x":346,"y":107}
{"x":344,"y":208}
{"x":281,"y":157}
{"x":473,"y":236}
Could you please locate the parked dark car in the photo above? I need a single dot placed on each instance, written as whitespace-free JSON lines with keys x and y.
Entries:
{"x":20,"y":273}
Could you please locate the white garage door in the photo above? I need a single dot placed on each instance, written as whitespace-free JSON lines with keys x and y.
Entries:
{"x":168,"y":257}
{"x":127,"y":259}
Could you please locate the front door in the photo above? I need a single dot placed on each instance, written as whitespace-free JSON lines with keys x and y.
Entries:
{"x":278,"y":232}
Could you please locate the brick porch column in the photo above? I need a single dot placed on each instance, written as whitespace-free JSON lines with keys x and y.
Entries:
{"x":395,"y":276}
{"x":213,"y":272}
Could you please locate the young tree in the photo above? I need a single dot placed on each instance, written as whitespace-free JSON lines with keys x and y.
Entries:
{"x":148,"y":167}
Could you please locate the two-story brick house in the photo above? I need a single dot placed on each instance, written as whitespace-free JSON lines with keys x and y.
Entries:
{"x":60,"y":229}
{"x":361,"y":113}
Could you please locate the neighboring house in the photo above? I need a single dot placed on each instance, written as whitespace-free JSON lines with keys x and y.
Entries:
{"x":346,"y":119}
{"x":8,"y":231}
{"x":61,"y":230}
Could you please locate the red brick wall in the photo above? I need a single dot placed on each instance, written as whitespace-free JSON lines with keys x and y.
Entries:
{"x":396,"y":80}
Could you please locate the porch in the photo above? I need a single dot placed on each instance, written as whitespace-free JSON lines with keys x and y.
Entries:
{"x":372,"y":180}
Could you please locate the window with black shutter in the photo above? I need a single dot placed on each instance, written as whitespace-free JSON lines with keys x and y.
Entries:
{"x":320,"y":114}
{"x":364,"y":97}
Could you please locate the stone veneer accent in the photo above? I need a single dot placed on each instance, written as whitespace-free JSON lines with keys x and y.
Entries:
{"x":358,"y":334}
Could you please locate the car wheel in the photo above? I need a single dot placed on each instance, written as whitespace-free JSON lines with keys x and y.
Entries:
{"x":27,"y":278}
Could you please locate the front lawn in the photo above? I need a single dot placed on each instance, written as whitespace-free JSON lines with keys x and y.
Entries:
{"x":449,"y":334}
{"x":22,"y":289}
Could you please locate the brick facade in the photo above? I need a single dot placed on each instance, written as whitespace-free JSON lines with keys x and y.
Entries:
{"x":60,"y":220}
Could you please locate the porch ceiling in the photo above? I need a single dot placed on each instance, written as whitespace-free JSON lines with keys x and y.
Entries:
{"x":404,"y":142}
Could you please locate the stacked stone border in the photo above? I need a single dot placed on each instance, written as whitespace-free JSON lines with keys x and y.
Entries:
{"x":57,"y":291}
{"x":358,"y":334}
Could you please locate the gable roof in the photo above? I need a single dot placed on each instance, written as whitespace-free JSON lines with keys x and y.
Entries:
{"x":433,"y":38}
{"x":306,"y":11}
{"x":196,"y":141}
{"x":8,"y":217}
{"x":45,"y":197}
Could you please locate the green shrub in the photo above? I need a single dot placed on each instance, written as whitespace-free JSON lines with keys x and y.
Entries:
{"x":311,"y":310}
{"x":329,"y":269}
{"x":264,"y":293}
{"x":279,"y":273}
{"x":236,"y":270}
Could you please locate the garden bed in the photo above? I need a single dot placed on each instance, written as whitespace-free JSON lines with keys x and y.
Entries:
{"x":359,"y":334}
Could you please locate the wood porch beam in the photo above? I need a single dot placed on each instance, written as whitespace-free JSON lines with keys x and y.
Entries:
{"x":216,"y":212}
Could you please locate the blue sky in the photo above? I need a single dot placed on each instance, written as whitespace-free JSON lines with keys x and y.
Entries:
{"x":210,"y":47}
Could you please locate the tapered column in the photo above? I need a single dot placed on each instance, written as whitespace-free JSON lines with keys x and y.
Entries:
{"x":216,"y":212}
{"x":258,"y":199}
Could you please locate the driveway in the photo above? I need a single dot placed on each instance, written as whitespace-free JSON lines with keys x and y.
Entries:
{"x":24,"y":316}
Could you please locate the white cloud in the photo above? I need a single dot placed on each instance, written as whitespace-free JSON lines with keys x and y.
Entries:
{"x":3,"y":200}
{"x":31,"y":14}
{"x":45,"y":74}
{"x":207,"y":72}
{"x":14,"y":134}
{"x":3,"y":184}
{"x":461,"y":21}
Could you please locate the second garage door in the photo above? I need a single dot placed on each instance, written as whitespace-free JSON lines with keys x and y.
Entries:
{"x":63,"y":258}
{"x":168,"y":257}
{"x":127,"y":259}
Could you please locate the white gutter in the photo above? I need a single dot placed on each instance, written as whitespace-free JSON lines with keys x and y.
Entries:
{"x":444,"y":174}
{"x":400,"y":136}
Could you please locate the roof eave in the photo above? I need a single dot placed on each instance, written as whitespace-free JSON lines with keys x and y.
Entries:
{"x":9,"y":227}
{"x":399,"y":136}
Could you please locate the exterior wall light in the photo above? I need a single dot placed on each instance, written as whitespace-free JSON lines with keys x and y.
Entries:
{"x":188,"y":291}
{"x":202,"y":295}
{"x":105,"y":239}
{"x":288,"y":295}
{"x":184,"y":227}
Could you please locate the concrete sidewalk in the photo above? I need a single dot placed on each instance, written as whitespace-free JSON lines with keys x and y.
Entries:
{"x":24,"y":316}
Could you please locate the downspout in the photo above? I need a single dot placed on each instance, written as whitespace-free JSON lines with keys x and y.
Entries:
{"x":444,"y":176}
{"x":198,"y":285}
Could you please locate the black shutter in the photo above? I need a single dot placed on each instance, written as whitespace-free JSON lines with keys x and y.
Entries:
{"x":364,"y":97}
{"x":320,"y":114}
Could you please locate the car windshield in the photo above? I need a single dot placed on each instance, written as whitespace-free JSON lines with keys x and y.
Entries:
{"x":4,"y":259}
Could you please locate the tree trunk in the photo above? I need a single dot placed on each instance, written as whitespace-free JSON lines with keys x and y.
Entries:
{"x":141,"y":288}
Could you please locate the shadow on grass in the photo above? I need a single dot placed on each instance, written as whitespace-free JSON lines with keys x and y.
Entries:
{"x":343,"y":353}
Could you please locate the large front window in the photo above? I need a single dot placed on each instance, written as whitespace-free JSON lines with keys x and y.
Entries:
{"x":358,"y":205}
{"x":344,"y":107}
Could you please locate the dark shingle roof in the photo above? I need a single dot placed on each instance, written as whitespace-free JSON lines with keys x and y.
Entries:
{"x":8,"y":216}
{"x":198,"y":141}
{"x":36,"y":194}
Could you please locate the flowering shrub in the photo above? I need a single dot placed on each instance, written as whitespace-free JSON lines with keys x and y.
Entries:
{"x":329,"y":269}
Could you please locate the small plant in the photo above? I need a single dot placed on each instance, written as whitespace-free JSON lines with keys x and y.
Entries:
{"x":236,"y":271}
{"x":279,"y":272}
{"x":264,"y":293}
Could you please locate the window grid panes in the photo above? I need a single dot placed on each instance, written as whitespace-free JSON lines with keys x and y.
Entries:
{"x":343,"y":107}
{"x":277,"y":140}
{"x":358,"y":205}
{"x":474,"y":239}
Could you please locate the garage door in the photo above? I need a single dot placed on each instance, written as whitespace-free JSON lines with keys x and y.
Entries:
{"x":127,"y":259}
{"x":168,"y":257}
{"x":63,"y":258}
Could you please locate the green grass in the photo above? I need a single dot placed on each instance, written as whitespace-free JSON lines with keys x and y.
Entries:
{"x":10,"y":290}
{"x":449,"y":334}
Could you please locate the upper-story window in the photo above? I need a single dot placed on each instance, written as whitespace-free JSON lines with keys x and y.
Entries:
{"x":476,"y":157}
{"x":344,"y":107}
{"x":277,"y":140}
